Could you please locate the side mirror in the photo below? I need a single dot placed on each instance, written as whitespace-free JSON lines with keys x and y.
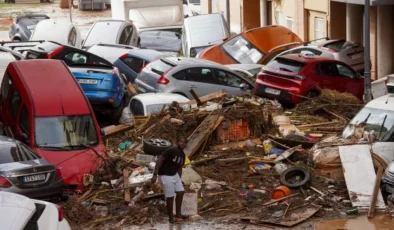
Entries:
{"x":225,"y":39}
{"x":243,"y":86}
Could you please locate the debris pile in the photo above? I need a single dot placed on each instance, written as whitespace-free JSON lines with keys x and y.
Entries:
{"x":245,"y":156}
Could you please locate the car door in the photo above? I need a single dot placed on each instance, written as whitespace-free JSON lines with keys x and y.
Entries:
{"x":231,"y":83}
{"x":327,"y":76}
{"x":350,"y":81}
{"x":14,"y":102}
{"x":132,"y":66}
{"x":6,"y":87}
{"x":201,"y":80}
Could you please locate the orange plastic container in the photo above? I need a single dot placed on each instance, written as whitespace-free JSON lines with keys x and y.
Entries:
{"x":280,"y":191}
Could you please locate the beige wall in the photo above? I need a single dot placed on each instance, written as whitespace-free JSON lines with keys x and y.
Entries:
{"x":317,"y":5}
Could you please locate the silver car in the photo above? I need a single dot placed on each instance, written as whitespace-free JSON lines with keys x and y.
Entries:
{"x":22,"y":171}
{"x":341,"y":50}
{"x":179,"y":75}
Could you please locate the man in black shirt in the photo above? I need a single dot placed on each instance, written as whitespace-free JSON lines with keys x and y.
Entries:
{"x":169,"y":168}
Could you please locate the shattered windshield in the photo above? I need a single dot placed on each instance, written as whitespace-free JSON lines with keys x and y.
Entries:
{"x":65,"y":132}
{"x":380,"y":121}
{"x":242,"y":50}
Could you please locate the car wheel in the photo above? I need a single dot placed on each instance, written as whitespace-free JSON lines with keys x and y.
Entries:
{"x":155,"y":146}
{"x":296,"y":177}
{"x":117,"y":112}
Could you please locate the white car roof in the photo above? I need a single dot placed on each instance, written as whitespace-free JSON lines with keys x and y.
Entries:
{"x":15,"y":210}
{"x":385,"y":102}
{"x":244,"y":66}
{"x":160,"y":98}
{"x":52,"y":30}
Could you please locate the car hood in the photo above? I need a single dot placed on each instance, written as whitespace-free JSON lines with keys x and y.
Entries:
{"x":22,"y":165}
{"x":74,"y":164}
{"x":15,"y":210}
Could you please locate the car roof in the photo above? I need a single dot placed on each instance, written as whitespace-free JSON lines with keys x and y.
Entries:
{"x":147,"y":54}
{"x":52,"y":88}
{"x":385,"y":102}
{"x":15,"y":210}
{"x":160,"y":98}
{"x":312,"y":59}
{"x":110,"y":52}
{"x":193,"y":62}
{"x":244,"y":66}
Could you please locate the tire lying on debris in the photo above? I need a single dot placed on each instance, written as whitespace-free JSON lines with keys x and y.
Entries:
{"x":155,"y":146}
{"x":296,"y":177}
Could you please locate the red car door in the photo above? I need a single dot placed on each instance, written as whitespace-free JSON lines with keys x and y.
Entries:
{"x":13,"y":105}
{"x":351,"y":82}
{"x":327,"y":76}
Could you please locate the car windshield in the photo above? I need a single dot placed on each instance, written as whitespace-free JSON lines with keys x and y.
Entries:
{"x":15,"y":152}
{"x":379,"y":120}
{"x":285,"y":64}
{"x":154,"y":108}
{"x":340,"y":45}
{"x":65,"y":131}
{"x":161,"y":40}
{"x":242,"y":50}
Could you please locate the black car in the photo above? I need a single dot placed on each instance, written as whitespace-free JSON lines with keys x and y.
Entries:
{"x":69,"y":54}
{"x":24,"y":25}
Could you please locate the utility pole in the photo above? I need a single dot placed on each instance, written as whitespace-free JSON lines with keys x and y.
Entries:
{"x":367,"y":58}
{"x":70,"y":5}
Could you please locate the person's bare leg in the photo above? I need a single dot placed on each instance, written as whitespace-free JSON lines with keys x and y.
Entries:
{"x":178,"y":203}
{"x":170,"y":208}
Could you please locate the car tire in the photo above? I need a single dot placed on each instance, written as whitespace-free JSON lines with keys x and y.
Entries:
{"x":155,"y":146}
{"x":289,"y":174}
{"x":117,"y":112}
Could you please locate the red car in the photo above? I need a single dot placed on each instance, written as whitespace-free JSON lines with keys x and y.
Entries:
{"x":288,"y":77}
{"x":42,"y":105}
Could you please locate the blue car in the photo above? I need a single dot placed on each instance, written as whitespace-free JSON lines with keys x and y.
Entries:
{"x":103,"y":87}
{"x":129,"y":60}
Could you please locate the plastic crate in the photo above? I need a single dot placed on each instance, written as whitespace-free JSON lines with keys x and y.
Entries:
{"x":92,"y":4}
{"x":233,"y":131}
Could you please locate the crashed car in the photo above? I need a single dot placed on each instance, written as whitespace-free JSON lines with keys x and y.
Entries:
{"x":249,"y":47}
{"x":103,"y":87}
{"x":24,"y":172}
{"x":43,"y":106}
{"x":23,"y":26}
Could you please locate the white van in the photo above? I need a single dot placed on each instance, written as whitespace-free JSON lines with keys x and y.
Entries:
{"x":202,"y":31}
{"x":61,"y":31}
{"x":150,"y":15}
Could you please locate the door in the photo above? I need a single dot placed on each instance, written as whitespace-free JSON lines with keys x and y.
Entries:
{"x":132,"y":66}
{"x":199,"y":79}
{"x":349,"y":80}
{"x":317,"y":25}
{"x":327,"y":76}
{"x":13,"y":105}
{"x":231,"y":83}
{"x":250,"y":14}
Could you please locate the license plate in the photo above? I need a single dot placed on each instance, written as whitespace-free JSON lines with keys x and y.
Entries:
{"x":356,"y":56}
{"x":141,"y":89}
{"x":87,"y":81}
{"x":272,"y":91}
{"x":33,"y":178}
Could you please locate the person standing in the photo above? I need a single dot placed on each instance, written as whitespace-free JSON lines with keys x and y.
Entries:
{"x":169,"y":169}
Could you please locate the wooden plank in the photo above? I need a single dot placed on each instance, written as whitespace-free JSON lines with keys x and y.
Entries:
{"x":127,"y":196}
{"x":280,"y":199}
{"x":293,"y":143}
{"x":208,"y":97}
{"x":203,"y":131}
{"x":234,"y":145}
{"x":359,"y":175}
{"x":318,"y":124}
{"x":196,"y":98}
{"x":112,"y":130}
{"x":375,"y":193}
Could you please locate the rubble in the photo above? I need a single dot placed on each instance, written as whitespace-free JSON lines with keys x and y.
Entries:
{"x":239,"y":151}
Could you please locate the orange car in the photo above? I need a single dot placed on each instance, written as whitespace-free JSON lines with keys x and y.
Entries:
{"x":255,"y":46}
